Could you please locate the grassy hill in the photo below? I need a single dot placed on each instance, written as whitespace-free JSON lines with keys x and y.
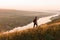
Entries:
{"x":10,"y":19}
{"x":43,"y":32}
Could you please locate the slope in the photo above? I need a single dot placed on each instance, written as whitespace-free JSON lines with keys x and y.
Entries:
{"x":43,"y":32}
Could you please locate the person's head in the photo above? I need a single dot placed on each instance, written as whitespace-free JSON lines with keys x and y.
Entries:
{"x":35,"y":17}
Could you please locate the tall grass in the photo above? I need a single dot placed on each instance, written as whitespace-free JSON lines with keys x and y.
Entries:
{"x":51,"y":32}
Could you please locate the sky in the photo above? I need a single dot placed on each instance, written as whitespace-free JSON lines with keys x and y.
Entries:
{"x":30,"y":5}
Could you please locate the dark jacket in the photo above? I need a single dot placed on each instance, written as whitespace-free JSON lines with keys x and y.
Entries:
{"x":35,"y":20}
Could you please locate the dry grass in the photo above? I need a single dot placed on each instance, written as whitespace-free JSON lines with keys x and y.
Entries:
{"x":43,"y":32}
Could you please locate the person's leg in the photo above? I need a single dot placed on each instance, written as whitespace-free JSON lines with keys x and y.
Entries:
{"x":34,"y":25}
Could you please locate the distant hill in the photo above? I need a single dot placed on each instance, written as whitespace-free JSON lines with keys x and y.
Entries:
{"x":55,"y":18}
{"x":43,"y":32}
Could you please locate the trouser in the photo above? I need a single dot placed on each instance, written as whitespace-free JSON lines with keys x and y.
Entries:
{"x":35,"y":24}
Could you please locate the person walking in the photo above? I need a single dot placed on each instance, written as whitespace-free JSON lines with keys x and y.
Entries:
{"x":35,"y":22}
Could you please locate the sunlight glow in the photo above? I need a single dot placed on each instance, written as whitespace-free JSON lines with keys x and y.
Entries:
{"x":30,"y":4}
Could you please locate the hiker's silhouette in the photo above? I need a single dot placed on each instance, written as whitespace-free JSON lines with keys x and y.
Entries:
{"x":35,"y":22}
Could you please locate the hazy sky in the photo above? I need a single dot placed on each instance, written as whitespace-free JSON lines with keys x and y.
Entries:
{"x":33,"y":5}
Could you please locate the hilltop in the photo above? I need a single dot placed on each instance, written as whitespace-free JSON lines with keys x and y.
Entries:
{"x":48,"y":31}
